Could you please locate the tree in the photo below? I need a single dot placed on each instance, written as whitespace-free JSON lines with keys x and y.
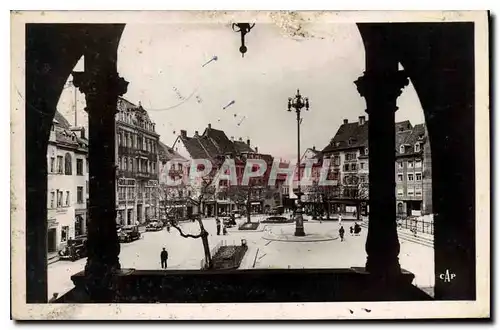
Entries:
{"x":356,"y":188}
{"x":242,"y":195}
{"x":196,"y":192}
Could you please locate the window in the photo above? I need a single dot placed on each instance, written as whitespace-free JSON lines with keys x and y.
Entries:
{"x":410,"y":191}
{"x":79,"y":195}
{"x":64,"y":233}
{"x":67,"y":199}
{"x":418,"y":176}
{"x":87,"y":187}
{"x":67,"y":164}
{"x":400,"y":177}
{"x":131,"y":164}
{"x":410,"y":177}
{"x":353,"y":167}
{"x":154,"y":167}
{"x":417,"y":147}
{"x":418,"y":191}
{"x":59,"y":198}
{"x":125,"y":163}
{"x":402,"y":149}
{"x":59,"y":164}
{"x":52,"y":164}
{"x":366,"y":151}
{"x":400,"y":192}
{"x":410,"y":164}
{"x":79,"y":166}
{"x":362,"y":166}
{"x":87,"y":163}
{"x":400,"y":164}
{"x":418,"y":163}
{"x":120,"y":138}
{"x":346,"y":167}
{"x":52,"y":196}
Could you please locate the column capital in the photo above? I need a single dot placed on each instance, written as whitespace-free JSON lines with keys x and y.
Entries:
{"x":386,"y":86}
{"x":93,"y":84}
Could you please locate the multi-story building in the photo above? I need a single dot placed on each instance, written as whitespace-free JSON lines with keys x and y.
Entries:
{"x":67,"y":183}
{"x":215,"y":146}
{"x":348,"y":154}
{"x":137,"y":164}
{"x":174,"y":201}
{"x":413,"y":170}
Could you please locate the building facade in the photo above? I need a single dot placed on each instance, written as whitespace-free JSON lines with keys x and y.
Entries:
{"x":137,"y":165}
{"x":348,"y":154}
{"x":67,"y":183}
{"x":174,"y":200}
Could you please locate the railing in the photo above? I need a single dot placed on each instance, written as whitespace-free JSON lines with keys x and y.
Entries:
{"x":213,"y":251}
{"x":416,"y":225}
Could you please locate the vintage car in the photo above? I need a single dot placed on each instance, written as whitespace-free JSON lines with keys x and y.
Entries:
{"x":75,"y":249}
{"x":128,"y":234}
{"x":154,"y":226}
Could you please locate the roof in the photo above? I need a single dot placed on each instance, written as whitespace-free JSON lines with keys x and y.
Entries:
{"x":350,"y":135}
{"x":138,"y":110}
{"x":410,"y":138}
{"x":61,"y":121}
{"x":220,"y":139}
{"x":194,"y":147}
{"x":166,"y":153}
{"x":353,"y":135}
{"x":242,"y":147}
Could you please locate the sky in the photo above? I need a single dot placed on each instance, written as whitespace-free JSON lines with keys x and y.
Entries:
{"x":163,"y":64}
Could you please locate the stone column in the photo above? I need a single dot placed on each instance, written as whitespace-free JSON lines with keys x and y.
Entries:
{"x":101,"y":85}
{"x":380,"y":86}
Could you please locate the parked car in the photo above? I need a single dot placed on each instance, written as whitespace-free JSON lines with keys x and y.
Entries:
{"x":129,"y":234}
{"x":75,"y":249}
{"x":154,"y":226}
{"x":237,"y":214}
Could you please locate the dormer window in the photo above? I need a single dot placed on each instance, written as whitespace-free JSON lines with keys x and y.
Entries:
{"x":366,"y":151}
{"x":402,"y":149}
{"x":417,"y":147}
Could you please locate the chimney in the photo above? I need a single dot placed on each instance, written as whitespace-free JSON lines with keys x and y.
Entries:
{"x":232,"y":138}
{"x":248,"y":142}
{"x":240,"y":139}
{"x":195,"y":133}
{"x":79,"y":131}
{"x":314,"y":148}
{"x":345,"y":121}
{"x":183,"y":133}
{"x":362,"y":120}
{"x":256,"y":150}
{"x":209,"y":126}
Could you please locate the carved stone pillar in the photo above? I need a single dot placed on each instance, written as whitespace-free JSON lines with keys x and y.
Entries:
{"x":381,"y":89}
{"x":101,"y":85}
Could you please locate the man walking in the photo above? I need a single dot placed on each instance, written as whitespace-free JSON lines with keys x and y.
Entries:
{"x":217,"y":221}
{"x":341,"y":233}
{"x":164,"y":258}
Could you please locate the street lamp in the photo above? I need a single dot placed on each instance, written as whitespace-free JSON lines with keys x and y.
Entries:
{"x":243,"y":29}
{"x":298,"y":103}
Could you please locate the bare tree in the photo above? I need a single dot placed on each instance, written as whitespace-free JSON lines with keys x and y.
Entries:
{"x":356,"y":187}
{"x":242,"y":195}
{"x":196,"y":193}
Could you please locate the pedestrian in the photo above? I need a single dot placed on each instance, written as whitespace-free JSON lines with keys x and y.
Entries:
{"x":340,"y":219}
{"x":351,"y":230}
{"x":341,"y":233}
{"x":164,"y":258}
{"x":354,"y":214}
{"x":217,"y":221}
{"x":224,"y":229}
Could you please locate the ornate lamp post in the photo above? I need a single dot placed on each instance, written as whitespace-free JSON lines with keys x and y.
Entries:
{"x":298,"y":103}
{"x":243,"y":29}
